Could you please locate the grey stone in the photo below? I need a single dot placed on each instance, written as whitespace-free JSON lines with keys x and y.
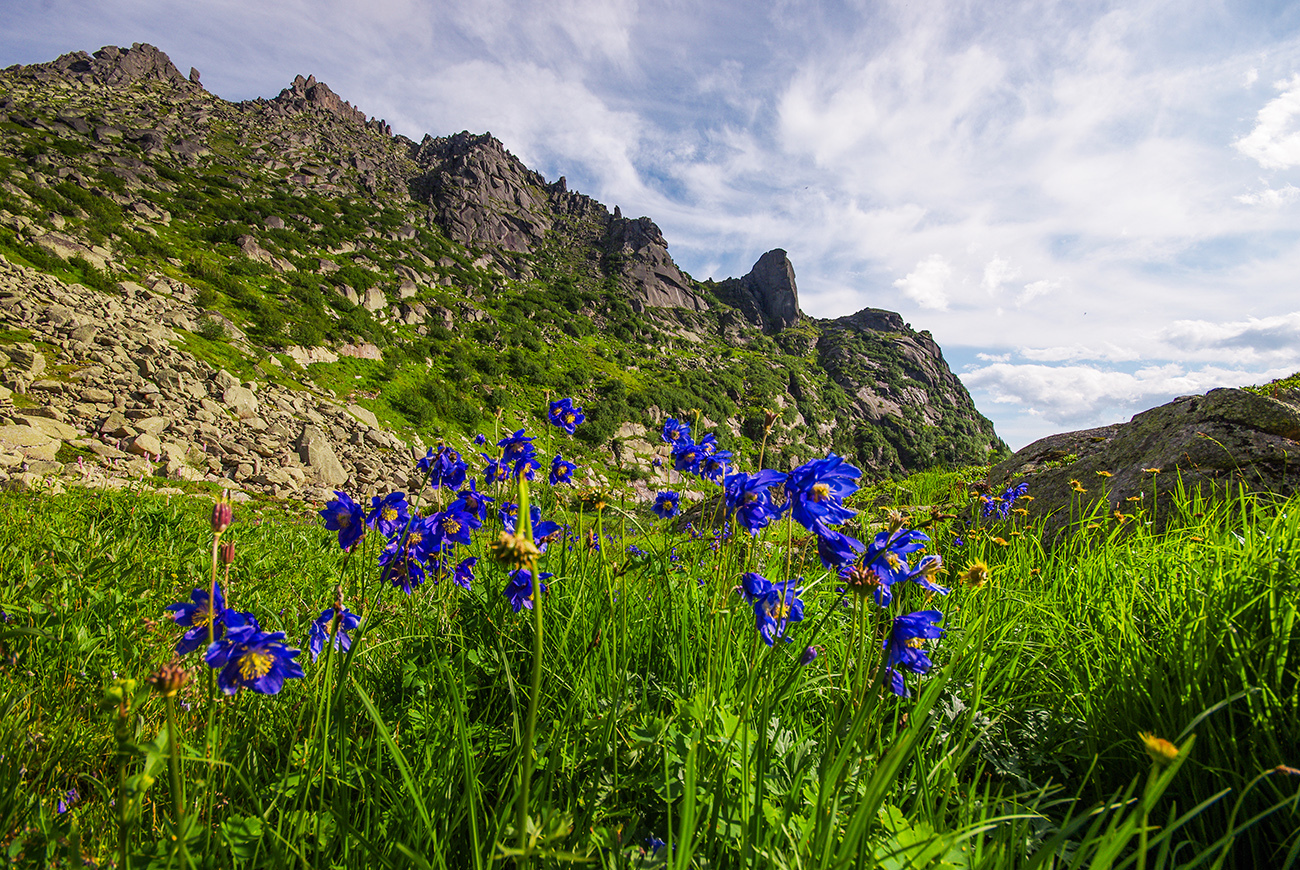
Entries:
{"x":316,"y":453}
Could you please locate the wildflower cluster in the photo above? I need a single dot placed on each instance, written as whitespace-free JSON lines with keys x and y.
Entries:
{"x":1002,"y":505}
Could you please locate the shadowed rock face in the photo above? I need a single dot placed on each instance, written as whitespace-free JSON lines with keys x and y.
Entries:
{"x":767,"y":296}
{"x":1225,"y":439}
{"x":118,"y":67}
{"x":646,"y":267}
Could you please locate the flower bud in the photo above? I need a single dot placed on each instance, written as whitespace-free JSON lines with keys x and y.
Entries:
{"x":809,"y":654}
{"x":222,"y":517}
{"x":769,"y":419}
{"x":227,"y":552}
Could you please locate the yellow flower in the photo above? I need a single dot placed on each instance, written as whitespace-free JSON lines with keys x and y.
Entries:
{"x":1076,"y":486}
{"x":1021,"y":511}
{"x":1103,"y":474}
{"x":1151,"y":470}
{"x":975,"y":575}
{"x":1161,"y":750}
{"x":1001,"y":542}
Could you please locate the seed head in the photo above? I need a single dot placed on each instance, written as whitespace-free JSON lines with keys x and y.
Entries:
{"x":514,"y":552}
{"x":169,"y":679}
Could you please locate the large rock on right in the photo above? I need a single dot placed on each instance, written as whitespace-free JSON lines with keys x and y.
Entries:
{"x":1223,"y":442}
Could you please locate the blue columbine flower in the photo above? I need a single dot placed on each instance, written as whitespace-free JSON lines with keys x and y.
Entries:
{"x":565,"y":416}
{"x":446,"y":468}
{"x":464,"y":573}
{"x":404,"y":561}
{"x":714,"y":465}
{"x":836,"y":548}
{"x":471,"y":501}
{"x":776,"y":609}
{"x":346,"y":517}
{"x":903,"y":646}
{"x":319,"y":632}
{"x":749,"y":496}
{"x":666,"y":504}
{"x":561,"y":471}
{"x":754,"y":587}
{"x":449,"y":528}
{"x":519,"y":590}
{"x":480,"y":439}
{"x":817,"y":490}
{"x":518,"y":451}
{"x":925,"y":569}
{"x":253,"y":659}
{"x":389,"y":515}
{"x":197,"y":614}
{"x":675,"y":432}
{"x":687,"y":458}
{"x":495,"y":470}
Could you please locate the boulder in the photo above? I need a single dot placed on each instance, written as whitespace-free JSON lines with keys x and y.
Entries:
{"x":316,"y":453}
{"x":241,"y":400}
{"x":1222,"y":442}
{"x":29,"y":441}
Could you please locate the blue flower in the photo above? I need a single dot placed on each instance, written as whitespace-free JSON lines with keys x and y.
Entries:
{"x":68,"y":801}
{"x":687,"y":458}
{"x":404,"y":561}
{"x":389,"y":515}
{"x":903,"y":646}
{"x":749,"y":496}
{"x":346,"y":517}
{"x":495,"y":470}
{"x":714,"y":465}
{"x":464,"y":574}
{"x":561,"y":471}
{"x":319,"y":632}
{"x":925,"y":569}
{"x":449,"y":528}
{"x":565,"y":416}
{"x":479,"y":439}
{"x":197,"y":615}
{"x":1001,"y":506}
{"x":754,"y":587}
{"x":252,"y":659}
{"x":836,"y":548}
{"x":472,"y":502}
{"x":446,"y":468}
{"x":776,"y":609}
{"x":817,"y":490}
{"x":666,"y":504}
{"x":884,"y":563}
{"x":519,"y":452}
{"x":519,"y":590}
{"x":675,"y":432}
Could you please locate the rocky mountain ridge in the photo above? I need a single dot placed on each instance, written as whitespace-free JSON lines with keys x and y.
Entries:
{"x":296,"y":228}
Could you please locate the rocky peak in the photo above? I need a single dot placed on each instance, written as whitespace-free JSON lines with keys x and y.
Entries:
{"x":767,"y":296}
{"x":305,"y":92}
{"x":637,"y":249}
{"x":119,"y":67}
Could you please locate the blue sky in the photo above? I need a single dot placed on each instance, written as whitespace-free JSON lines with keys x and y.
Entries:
{"x":1092,"y":206}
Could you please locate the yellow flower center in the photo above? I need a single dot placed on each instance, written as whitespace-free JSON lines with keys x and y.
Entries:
{"x":255,"y":663}
{"x":415,"y":539}
{"x":821,"y":491}
{"x":916,"y":642}
{"x":450,"y":525}
{"x":389,"y":514}
{"x":343,"y":518}
{"x":893,"y":560}
{"x":569,"y":418}
{"x":778,"y":611}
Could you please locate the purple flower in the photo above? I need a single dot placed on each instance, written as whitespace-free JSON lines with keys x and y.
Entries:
{"x":446,"y":468}
{"x":565,"y":416}
{"x":817,"y":490}
{"x":519,"y":590}
{"x":197,"y":614}
{"x":666,"y":505}
{"x":346,"y":517}
{"x":903,"y":646}
{"x":250,"y":658}
{"x":464,"y":574}
{"x":675,"y":432}
{"x":836,"y":548}
{"x":561,"y":471}
{"x":776,"y":609}
{"x":471,"y":501}
{"x":389,"y":515}
{"x":319,"y":632}
{"x":749,"y":496}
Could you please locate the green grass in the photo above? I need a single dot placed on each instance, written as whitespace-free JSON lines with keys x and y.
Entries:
{"x":659,"y":713}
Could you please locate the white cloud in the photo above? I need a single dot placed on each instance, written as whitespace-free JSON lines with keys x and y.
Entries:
{"x":1106,"y":351}
{"x":1251,"y":76}
{"x":1270,"y":196}
{"x":993,"y":357}
{"x":926,"y":284}
{"x":1274,"y":338}
{"x":1275,"y":141}
{"x":1082,"y":395}
{"x":1034,"y":289}
{"x":996,"y":273}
